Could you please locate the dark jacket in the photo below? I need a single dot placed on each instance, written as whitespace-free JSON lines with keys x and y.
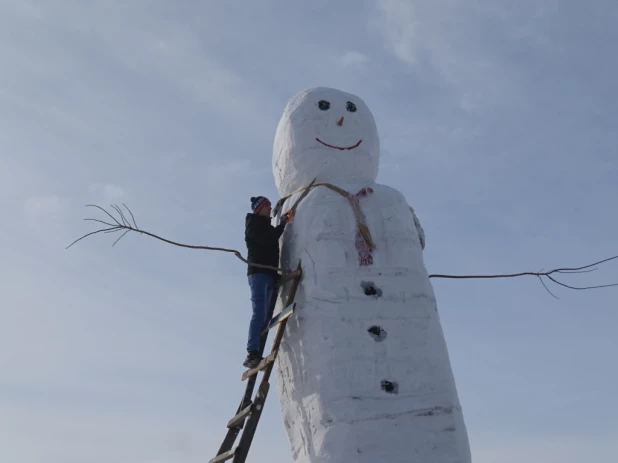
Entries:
{"x":262,"y":242}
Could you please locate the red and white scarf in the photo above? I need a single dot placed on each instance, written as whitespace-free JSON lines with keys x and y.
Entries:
{"x":363,"y":241}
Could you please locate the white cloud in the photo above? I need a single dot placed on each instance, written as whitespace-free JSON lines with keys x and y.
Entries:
{"x":442,"y":41}
{"x":399,"y":25}
{"x":354,"y":60}
{"x":175,"y":53}
{"x":107,"y":192}
{"x":40,"y":210}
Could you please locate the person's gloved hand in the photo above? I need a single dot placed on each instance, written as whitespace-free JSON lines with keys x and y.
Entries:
{"x":287,"y":217}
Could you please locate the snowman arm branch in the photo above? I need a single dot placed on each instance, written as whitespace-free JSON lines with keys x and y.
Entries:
{"x":123,"y":224}
{"x":551,"y":276}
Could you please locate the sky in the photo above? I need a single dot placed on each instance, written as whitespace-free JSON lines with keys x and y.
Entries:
{"x":497,"y":122}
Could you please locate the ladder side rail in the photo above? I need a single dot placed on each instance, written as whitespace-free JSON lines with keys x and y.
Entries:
{"x":251,"y":427}
{"x":258,"y":406}
{"x":282,"y":325}
{"x":232,"y":433}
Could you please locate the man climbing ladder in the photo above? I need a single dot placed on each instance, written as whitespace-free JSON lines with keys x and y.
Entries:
{"x":250,"y":409}
{"x":262,"y":248}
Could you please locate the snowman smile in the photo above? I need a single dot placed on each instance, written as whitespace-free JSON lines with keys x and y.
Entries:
{"x":340,"y":147}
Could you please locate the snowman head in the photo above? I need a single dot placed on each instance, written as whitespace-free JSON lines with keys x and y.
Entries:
{"x":326,"y":134}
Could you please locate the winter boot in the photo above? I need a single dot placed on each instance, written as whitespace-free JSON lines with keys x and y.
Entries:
{"x":253,"y":360}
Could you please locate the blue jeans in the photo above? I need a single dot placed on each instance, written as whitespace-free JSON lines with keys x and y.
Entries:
{"x":262,"y":287}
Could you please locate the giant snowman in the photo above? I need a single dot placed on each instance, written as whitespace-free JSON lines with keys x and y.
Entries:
{"x":363,"y":372}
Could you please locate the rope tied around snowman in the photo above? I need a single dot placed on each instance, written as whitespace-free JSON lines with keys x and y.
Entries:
{"x":363,"y":240}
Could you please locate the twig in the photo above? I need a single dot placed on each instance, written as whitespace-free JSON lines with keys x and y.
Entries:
{"x":124,"y":221}
{"x":106,"y":230}
{"x":132,"y":216}
{"x":546,"y":288}
{"x":121,"y":236}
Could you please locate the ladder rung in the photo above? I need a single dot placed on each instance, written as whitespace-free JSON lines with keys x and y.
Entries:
{"x":291,"y":276}
{"x":284,"y":314}
{"x":224,"y":456}
{"x":240,"y":416}
{"x":263,"y":364}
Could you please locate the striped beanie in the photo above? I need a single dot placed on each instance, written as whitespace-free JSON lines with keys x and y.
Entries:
{"x":257,"y":202}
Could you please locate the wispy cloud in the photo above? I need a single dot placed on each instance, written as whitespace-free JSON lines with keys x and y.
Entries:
{"x":446,"y":41}
{"x":107,"y":192}
{"x":45,"y":207}
{"x":46,"y":216}
{"x":355,"y":60}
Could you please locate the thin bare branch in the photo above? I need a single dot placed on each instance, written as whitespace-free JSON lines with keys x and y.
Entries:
{"x":572,"y":272}
{"x":121,"y":236}
{"x":132,"y":216}
{"x":116,"y":209}
{"x":99,"y":207}
{"x":122,"y":217}
{"x":546,"y":288}
{"x":89,"y":234}
{"x":585,"y":266}
{"x":469,"y":277}
{"x":581,"y":287}
{"x":122,"y":214}
{"x":102,"y":221}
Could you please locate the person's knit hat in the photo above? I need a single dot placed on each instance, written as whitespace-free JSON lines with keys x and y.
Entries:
{"x":257,"y":202}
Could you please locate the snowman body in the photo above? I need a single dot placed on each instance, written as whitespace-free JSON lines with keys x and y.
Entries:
{"x":363,"y":370}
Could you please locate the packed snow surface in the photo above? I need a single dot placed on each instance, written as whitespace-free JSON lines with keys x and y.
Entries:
{"x":363,"y":371}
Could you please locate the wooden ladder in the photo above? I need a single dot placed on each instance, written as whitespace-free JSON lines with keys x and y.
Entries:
{"x":250,"y":410}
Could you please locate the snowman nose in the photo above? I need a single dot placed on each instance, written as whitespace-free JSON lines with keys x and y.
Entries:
{"x":340,"y":122}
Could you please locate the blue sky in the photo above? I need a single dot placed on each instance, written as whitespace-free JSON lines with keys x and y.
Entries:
{"x":497,"y":121}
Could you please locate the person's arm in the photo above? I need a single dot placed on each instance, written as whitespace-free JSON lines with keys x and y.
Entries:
{"x":279,"y":230}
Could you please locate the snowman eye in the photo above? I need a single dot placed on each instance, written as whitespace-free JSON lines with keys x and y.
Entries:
{"x":323,"y":105}
{"x":350,"y":107}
